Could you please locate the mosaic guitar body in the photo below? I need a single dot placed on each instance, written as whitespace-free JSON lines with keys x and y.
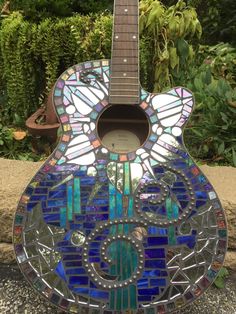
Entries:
{"x":98,"y":231}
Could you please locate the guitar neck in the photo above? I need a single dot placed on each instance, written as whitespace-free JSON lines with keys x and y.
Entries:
{"x":124,"y":81}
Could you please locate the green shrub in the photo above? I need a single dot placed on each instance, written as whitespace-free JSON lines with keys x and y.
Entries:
{"x":210,"y":135}
{"x":37,"y":10}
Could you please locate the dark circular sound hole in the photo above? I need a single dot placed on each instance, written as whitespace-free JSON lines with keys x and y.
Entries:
{"x":123,"y":128}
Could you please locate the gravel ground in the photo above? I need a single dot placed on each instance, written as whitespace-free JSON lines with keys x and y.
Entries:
{"x":17,"y":297}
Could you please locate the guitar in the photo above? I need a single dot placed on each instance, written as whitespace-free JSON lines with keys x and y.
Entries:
{"x":120,"y":219}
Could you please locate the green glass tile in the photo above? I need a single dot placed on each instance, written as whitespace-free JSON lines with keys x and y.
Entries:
{"x":131,"y":207}
{"x":70,"y":202}
{"x":171,"y":235}
{"x":153,"y":119}
{"x":153,"y":162}
{"x":63,"y":217}
{"x":138,"y":160}
{"x":58,"y":92}
{"x":133,"y":297}
{"x":93,"y":115}
{"x":77,"y":200}
{"x":125,"y":299}
{"x":168,"y":130}
{"x":127,"y":179}
{"x":119,"y":205}
{"x":114,"y":156}
{"x":60,"y":110}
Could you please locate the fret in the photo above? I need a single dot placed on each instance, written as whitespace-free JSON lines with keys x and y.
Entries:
{"x":126,"y":20}
{"x":126,"y":37}
{"x":128,"y":61}
{"x":125,"y":53}
{"x":124,"y":85}
{"x":132,"y":75}
{"x":125,"y":28}
{"x":124,"y":68}
{"x":126,"y":2}
{"x":114,"y":93}
{"x":124,"y":80}
{"x":125,"y":100}
{"x":127,"y":88}
{"x":123,"y":45}
{"x":132,"y":10}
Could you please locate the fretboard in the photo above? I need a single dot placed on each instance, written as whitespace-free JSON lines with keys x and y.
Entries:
{"x":124,"y":81}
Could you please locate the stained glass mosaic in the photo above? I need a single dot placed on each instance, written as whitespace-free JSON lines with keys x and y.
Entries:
{"x":103,"y":233}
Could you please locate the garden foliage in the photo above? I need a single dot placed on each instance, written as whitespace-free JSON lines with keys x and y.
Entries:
{"x":33,"y":55}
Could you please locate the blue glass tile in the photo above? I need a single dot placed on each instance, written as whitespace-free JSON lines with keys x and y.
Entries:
{"x":153,"y":291}
{"x":158,"y":282}
{"x":89,"y":225}
{"x":99,"y":294}
{"x":208,"y":187}
{"x":159,"y":170}
{"x":190,"y":241}
{"x":73,"y":264}
{"x":202,"y":179}
{"x":57,"y":203}
{"x":92,"y":285}
{"x":94,"y":260}
{"x":156,"y":241}
{"x":155,"y":263}
{"x":179,"y":164}
{"x":200,"y":203}
{"x":68,"y":249}
{"x":178,"y":184}
{"x":52,"y":217}
{"x":153,"y":189}
{"x":30,"y":206}
{"x":60,"y":271}
{"x":201,"y":195}
{"x":63,"y":217}
{"x":38,"y":198}
{"x":144,"y":298}
{"x":178,"y":190}
{"x":79,"y":290}
{"x":194,"y":181}
{"x":29,"y":190}
{"x":155,"y":253}
{"x":46,"y":183}
{"x":155,"y":273}
{"x":41,"y":191}
{"x":153,"y":138}
{"x":71,"y":257}
{"x":183,"y":197}
{"x":78,"y":280}
{"x":57,"y":194}
{"x":142,"y":283}
{"x":183,"y":204}
{"x":94,"y":252}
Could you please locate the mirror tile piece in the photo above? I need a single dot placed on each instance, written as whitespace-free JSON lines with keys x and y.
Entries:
{"x":101,"y":232}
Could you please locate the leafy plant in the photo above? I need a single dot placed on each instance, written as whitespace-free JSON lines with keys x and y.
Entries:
{"x":221,"y":278}
{"x":37,"y":10}
{"x":16,"y":144}
{"x":170,"y":33}
{"x":211,"y":133}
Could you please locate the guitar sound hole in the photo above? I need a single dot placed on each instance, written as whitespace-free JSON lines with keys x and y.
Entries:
{"x":123,"y":128}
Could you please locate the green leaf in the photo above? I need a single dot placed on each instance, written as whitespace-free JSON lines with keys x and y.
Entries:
{"x":221,"y":148}
{"x":174,"y":59}
{"x":234,"y":157}
{"x":220,"y":279}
